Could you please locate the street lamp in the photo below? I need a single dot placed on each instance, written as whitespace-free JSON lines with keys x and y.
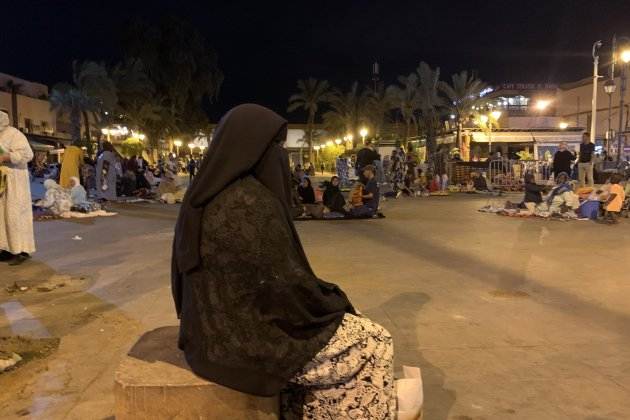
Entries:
{"x":338,"y":142}
{"x":191,"y":146}
{"x":563,"y":125}
{"x":178,"y":144}
{"x":542,"y":104}
{"x":609,"y":88}
{"x":330,"y":143}
{"x":316,"y":148}
{"x":363,"y":133}
{"x":596,"y":46}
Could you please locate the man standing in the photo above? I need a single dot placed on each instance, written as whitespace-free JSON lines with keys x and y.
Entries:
{"x":562,"y":160}
{"x":585,"y":162}
{"x":17,"y":241}
{"x":365,"y":157}
{"x":192,"y":168}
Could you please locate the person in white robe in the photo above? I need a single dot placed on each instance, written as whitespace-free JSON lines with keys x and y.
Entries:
{"x":17,"y":241}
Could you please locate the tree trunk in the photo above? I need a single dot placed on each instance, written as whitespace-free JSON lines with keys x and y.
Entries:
{"x":311,"y":121}
{"x":88,"y":140}
{"x":14,"y":106}
{"x":75,"y":124}
{"x":458,"y":140}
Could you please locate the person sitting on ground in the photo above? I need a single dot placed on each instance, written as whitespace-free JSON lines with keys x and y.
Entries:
{"x":533,"y":194}
{"x":78,"y":195}
{"x":479,"y":182}
{"x":435,"y":184}
{"x":306,"y":192}
{"x":57,"y":200}
{"x":254,"y":316}
{"x":370,"y":196}
{"x":333,"y":198}
{"x":615,"y":199}
{"x":562,"y":198}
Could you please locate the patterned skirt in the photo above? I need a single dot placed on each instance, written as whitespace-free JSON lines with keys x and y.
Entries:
{"x":351,"y":378}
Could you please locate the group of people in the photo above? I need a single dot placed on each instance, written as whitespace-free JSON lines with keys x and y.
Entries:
{"x":563,"y":198}
{"x":363,"y":201}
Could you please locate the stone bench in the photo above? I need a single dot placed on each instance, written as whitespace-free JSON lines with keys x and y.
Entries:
{"x":154,"y":382}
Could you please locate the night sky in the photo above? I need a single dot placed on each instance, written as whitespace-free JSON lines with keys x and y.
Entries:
{"x":264,"y":46}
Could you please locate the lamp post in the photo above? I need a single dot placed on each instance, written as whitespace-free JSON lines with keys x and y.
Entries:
{"x":596,"y":46}
{"x":363,"y":133}
{"x":316,"y":148}
{"x":191,"y":146}
{"x":178,"y":144}
{"x":624,"y":55}
{"x":609,"y":88}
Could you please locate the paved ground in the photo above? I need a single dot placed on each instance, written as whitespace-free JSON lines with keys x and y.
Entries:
{"x":508,"y":319}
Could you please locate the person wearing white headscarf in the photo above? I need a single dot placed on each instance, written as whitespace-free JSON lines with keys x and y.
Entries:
{"x":57,"y":199}
{"x":17,"y":241}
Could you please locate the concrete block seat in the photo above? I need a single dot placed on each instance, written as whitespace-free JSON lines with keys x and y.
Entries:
{"x":154,"y":382}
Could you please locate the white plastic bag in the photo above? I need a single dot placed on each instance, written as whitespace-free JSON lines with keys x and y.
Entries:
{"x":409,"y":394}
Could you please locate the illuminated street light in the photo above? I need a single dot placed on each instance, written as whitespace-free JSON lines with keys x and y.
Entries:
{"x":316,"y":148}
{"x":191,"y":146}
{"x":496,"y":114}
{"x":563,"y":125}
{"x":542,"y":104}
{"x":330,"y":143}
{"x":483,"y":119}
{"x":338,"y":141}
{"x":178,"y":144}
{"x":323,"y":145}
{"x":625,"y":56}
{"x":363,"y":133}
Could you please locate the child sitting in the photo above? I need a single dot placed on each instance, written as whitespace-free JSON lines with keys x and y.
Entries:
{"x":615,"y":199}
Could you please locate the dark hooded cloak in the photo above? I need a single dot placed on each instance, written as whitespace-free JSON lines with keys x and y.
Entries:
{"x":252,"y":311}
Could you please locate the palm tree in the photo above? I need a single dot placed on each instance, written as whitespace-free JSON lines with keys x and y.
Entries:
{"x":311,"y":94}
{"x":14,"y":89}
{"x":463,"y":95}
{"x":348,"y":111}
{"x":378,"y":106}
{"x":429,"y":104}
{"x":405,"y":98}
{"x":92,"y":92}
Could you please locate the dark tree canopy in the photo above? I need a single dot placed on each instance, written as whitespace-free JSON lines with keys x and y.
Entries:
{"x":182,"y":67}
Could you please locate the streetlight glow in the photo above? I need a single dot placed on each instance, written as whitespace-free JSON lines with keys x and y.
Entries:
{"x":483,"y":119}
{"x":316,"y":148}
{"x":363,"y":132}
{"x":329,"y":143}
{"x":542,"y":104}
{"x":563,"y":125}
{"x":177,"y":143}
{"x":338,"y":141}
{"x":625,"y":56}
{"x":496,"y":114}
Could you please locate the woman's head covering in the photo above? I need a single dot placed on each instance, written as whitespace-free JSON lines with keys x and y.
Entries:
{"x":50,"y":183}
{"x":75,"y":181}
{"x":247,"y":141}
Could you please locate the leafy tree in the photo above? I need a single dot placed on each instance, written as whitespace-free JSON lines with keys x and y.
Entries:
{"x":312,"y":93}
{"x":429,"y":103}
{"x":348,"y":111}
{"x":378,"y":106}
{"x":463,"y":94}
{"x":181,"y":66}
{"x":405,"y":98}
{"x":92,"y":92}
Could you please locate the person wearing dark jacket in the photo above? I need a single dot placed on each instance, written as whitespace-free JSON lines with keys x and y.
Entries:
{"x":562,"y":159}
{"x":333,"y":198}
{"x":533,"y":193}
{"x":366,"y":156}
{"x":254,"y":316}
{"x":306,"y":192}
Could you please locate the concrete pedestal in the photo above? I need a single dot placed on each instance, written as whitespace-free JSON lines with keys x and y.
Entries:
{"x":155,"y":382}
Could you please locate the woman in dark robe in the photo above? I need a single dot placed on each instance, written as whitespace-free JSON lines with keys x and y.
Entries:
{"x":306,"y":192}
{"x":333,"y":198}
{"x":254,"y":317}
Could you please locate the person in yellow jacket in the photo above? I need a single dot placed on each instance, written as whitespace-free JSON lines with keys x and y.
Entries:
{"x":70,"y":165}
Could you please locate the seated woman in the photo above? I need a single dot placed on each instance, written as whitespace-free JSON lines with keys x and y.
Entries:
{"x":561,"y":196}
{"x":56,"y":200}
{"x":254,"y":316}
{"x":333,"y":198}
{"x":79,"y":199}
{"x":305,"y":191}
{"x":533,"y":194}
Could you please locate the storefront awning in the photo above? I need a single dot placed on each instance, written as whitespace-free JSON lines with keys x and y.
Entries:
{"x":41,"y":147}
{"x":527,"y":137}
